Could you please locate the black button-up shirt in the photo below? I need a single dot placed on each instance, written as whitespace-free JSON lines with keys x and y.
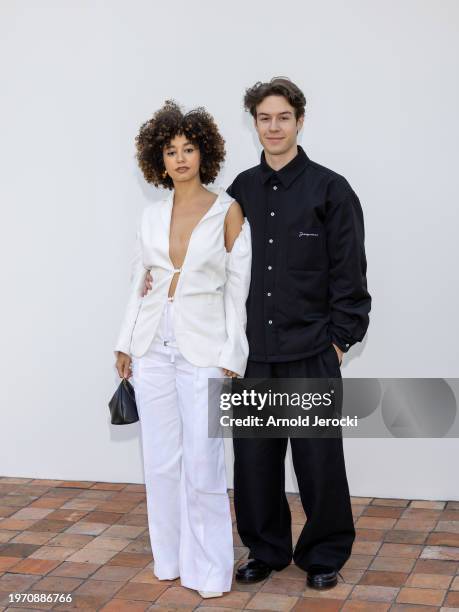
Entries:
{"x":308,"y":286}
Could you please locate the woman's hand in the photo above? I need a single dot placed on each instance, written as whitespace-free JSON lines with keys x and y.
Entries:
{"x":123,"y":365}
{"x":147,"y":284}
{"x":229,"y":373}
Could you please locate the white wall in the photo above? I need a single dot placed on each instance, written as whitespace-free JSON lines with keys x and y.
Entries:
{"x":78,"y":78}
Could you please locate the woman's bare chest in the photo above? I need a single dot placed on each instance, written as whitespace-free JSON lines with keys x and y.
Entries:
{"x":183,"y":224}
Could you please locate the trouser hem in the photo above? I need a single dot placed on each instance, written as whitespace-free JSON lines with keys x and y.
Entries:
{"x":223,"y":585}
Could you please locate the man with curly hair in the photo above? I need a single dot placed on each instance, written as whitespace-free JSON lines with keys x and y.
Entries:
{"x":308,"y":304}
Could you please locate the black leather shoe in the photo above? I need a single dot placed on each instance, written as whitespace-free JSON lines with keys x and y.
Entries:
{"x":321,"y":577}
{"x":252,"y":571}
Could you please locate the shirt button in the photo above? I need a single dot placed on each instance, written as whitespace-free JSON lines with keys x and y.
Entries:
{"x":268,"y":294}
{"x":270,"y":267}
{"x":275,"y":187}
{"x":271,"y":240}
{"x":270,"y":322}
{"x":272,"y":214}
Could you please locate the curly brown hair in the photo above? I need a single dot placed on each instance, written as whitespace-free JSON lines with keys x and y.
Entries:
{"x":169,"y":121}
{"x":277,"y":86}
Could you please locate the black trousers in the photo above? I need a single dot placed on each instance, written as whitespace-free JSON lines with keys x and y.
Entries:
{"x":262,"y":510}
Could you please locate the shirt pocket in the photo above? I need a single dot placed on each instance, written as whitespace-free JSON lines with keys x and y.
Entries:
{"x":306,"y":249}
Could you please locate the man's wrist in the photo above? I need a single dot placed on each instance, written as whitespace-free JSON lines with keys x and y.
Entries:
{"x":343,"y":346}
{"x":339,"y":352}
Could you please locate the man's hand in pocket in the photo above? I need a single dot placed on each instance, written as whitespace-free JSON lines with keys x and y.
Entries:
{"x":339,"y":352}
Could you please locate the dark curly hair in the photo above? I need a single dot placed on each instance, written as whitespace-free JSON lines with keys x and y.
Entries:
{"x":278,"y":86}
{"x":169,"y":121}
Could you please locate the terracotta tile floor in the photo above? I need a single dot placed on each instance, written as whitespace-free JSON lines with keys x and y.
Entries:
{"x":90,"y":540}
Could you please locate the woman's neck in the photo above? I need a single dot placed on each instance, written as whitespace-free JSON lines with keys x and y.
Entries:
{"x":188,"y":190}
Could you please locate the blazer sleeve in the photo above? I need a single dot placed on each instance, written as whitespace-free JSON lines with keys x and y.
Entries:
{"x":235,"y":351}
{"x":350,"y":302}
{"x":134,"y":304}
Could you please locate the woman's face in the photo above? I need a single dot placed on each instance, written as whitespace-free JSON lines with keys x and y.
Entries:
{"x":181,"y":159}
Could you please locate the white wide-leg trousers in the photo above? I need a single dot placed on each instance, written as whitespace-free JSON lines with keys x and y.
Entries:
{"x":185,"y":478}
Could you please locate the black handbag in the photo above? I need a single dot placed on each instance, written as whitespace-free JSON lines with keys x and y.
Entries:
{"x":123,"y":409}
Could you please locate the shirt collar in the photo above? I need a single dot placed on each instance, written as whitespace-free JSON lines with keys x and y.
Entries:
{"x":288,"y":173}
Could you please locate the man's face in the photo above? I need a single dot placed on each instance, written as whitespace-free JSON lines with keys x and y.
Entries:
{"x":276,"y":125}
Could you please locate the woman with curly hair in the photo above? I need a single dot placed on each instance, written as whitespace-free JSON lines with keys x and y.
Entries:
{"x":189,"y":328}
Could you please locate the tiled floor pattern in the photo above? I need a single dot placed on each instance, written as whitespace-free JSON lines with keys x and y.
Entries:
{"x":90,"y":540}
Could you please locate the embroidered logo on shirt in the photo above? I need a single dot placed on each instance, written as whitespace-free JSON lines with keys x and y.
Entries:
{"x":307,"y":234}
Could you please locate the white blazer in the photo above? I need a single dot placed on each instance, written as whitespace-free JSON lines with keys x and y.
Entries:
{"x":209,"y":301}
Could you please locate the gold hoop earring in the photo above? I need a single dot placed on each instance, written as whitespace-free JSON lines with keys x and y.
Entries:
{"x":164,"y":174}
